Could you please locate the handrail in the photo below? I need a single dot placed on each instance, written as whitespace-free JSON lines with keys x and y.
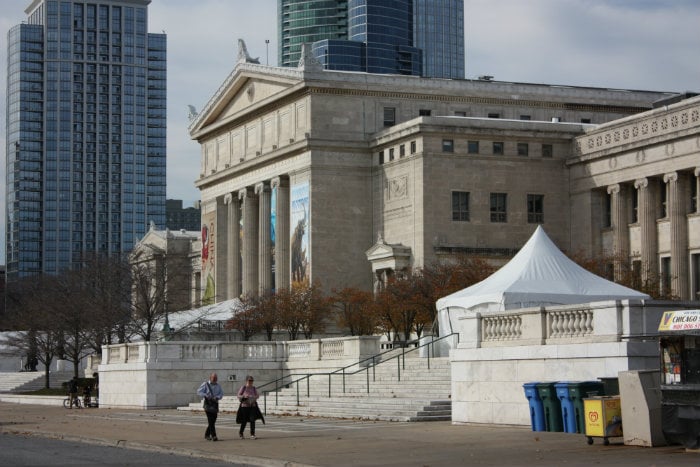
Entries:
{"x":400,"y":360}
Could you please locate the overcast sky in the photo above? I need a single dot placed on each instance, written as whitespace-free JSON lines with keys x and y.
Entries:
{"x":632,"y":44}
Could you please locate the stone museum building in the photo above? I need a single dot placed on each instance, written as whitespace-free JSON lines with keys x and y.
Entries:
{"x":344,"y":178}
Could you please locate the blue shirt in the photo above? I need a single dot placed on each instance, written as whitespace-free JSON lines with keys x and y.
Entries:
{"x":216,"y":392}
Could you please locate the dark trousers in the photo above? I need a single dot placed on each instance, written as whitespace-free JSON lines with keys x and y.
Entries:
{"x":248,"y":416}
{"x":211,"y":428}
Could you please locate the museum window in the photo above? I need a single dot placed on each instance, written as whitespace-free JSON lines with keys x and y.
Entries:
{"x":694,"y":195}
{"x":460,"y":206}
{"x":424,"y":112}
{"x":525,"y":117}
{"x":498,"y":207}
{"x":635,"y":206}
{"x":663,"y":193}
{"x":607,"y":210}
{"x":535,"y":209}
{"x":381,"y":157}
{"x":585,"y":120}
{"x":695,"y":275}
{"x":402,"y":150}
{"x":498,"y":147}
{"x":666,"y":276}
{"x":523,"y":149}
{"x":448,"y":145}
{"x":494,"y":115}
{"x":413,"y":147}
{"x":391,"y":154}
{"x":636,"y":274}
{"x":389,"y":116}
{"x":547,"y":151}
{"x":473,"y":147}
{"x":459,"y":113}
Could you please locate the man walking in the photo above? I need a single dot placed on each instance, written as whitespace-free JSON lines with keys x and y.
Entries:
{"x":212,"y":394}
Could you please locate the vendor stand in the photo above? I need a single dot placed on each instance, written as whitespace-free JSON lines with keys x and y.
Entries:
{"x":679,"y":341}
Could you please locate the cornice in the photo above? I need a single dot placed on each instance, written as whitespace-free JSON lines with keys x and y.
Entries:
{"x":658,"y":125}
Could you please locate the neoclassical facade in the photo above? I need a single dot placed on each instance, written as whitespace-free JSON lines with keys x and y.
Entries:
{"x":634,"y":190}
{"x":343,"y":178}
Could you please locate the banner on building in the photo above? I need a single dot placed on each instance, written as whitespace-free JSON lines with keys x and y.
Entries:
{"x":681,"y":320}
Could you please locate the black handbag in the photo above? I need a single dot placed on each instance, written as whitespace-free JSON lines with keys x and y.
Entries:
{"x":210,"y":405}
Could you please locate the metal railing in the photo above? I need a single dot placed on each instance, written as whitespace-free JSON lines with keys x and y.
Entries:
{"x":363,"y":365}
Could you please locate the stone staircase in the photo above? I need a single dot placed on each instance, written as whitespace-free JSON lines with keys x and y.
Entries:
{"x":415,"y":393}
{"x":27,"y":381}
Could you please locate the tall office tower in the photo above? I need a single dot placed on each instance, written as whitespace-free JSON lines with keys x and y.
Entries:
{"x":412,"y":37}
{"x":438,"y":30}
{"x":308,"y":21}
{"x":380,"y":40}
{"x":86,"y":115}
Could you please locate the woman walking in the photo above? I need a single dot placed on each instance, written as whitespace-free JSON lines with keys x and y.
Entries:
{"x":248,"y":410}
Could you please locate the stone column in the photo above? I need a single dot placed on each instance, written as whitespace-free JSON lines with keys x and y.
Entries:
{"x":233,"y":258}
{"x":621,"y":238}
{"x":677,"y":212}
{"x":264,"y":238}
{"x":250,"y":240}
{"x":282,"y":232}
{"x":647,"y":225}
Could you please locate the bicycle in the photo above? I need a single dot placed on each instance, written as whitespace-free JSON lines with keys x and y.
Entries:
{"x":76,"y":402}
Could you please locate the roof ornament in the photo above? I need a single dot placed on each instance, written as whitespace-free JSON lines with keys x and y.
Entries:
{"x":308,"y":62}
{"x":192,"y":114}
{"x":243,"y":55}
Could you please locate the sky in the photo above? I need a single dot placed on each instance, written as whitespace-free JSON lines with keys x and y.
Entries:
{"x":629,"y":44}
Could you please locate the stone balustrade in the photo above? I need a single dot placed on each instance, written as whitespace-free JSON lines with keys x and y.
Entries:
{"x":609,"y":321}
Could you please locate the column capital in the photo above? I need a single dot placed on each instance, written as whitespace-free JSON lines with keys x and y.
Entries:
{"x":281,"y":181}
{"x":261,"y":187}
{"x":697,"y":171}
{"x":244,"y":193}
{"x":671,"y":177}
{"x":613,"y":188}
{"x":228,"y":198}
{"x":641,"y":183}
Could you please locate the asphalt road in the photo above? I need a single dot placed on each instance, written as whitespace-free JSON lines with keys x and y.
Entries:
{"x":26,"y":451}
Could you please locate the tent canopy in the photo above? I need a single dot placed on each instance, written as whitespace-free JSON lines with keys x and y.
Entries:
{"x":540,"y":274}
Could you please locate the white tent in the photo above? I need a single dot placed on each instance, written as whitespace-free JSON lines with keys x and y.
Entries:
{"x":181,"y":320}
{"x":540,"y":274}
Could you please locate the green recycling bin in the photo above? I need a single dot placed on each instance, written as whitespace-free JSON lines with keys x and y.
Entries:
{"x":552,"y":406}
{"x":578,"y":391}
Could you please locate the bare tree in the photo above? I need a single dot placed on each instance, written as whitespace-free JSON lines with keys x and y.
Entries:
{"x":246,"y":319}
{"x":32,"y":316}
{"x":355,"y":311}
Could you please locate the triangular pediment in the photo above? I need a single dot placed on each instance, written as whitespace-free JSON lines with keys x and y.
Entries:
{"x":384,"y":255}
{"x":248,"y":88}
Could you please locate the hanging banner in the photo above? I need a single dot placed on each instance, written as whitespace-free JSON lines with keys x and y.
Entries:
{"x":299,"y":242}
{"x":681,"y":320}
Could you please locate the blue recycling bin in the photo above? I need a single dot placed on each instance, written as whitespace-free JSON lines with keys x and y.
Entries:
{"x":568,"y":410}
{"x":536,"y":407}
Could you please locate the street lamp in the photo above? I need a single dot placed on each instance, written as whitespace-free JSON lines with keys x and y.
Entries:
{"x":267,"y":52}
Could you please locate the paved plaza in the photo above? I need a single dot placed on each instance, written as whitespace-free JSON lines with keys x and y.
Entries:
{"x":300,"y":441}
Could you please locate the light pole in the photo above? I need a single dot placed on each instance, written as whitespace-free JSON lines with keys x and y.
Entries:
{"x":267,"y":52}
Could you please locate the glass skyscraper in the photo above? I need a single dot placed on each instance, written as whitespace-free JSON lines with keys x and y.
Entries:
{"x":413,"y":37}
{"x":438,"y":30}
{"x":308,"y":21}
{"x":86,"y":123}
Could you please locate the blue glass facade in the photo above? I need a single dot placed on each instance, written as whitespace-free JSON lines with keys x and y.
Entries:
{"x":380,"y":40}
{"x":86,"y":123}
{"x":308,"y":21}
{"x":438,"y":27}
{"x":416,"y":37}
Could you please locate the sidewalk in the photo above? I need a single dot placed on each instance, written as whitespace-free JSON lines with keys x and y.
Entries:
{"x":299,"y":441}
